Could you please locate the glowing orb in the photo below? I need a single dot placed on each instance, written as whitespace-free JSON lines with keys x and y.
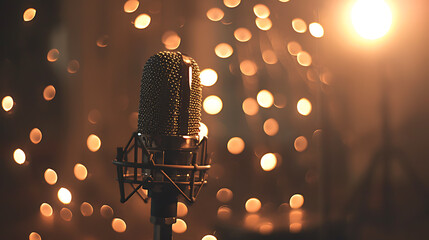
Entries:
{"x":371,"y":18}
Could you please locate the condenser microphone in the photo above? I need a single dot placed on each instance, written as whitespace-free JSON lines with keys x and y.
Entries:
{"x":169,"y":157}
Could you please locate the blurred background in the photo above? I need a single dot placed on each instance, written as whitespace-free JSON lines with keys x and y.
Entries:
{"x":316,"y":118}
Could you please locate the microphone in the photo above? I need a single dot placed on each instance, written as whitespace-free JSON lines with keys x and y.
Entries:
{"x":168,"y":157}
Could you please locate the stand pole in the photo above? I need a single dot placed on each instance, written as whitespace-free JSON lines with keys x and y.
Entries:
{"x":162,"y":232}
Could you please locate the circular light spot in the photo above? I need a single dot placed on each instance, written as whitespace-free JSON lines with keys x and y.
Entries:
{"x":29,"y":14}
{"x":316,"y":30}
{"x":66,"y":214}
{"x":295,"y":215}
{"x":46,"y":210}
{"x":280,"y":101}
{"x":300,"y":143}
{"x":371,"y":18}
{"x":224,"y":195}
{"x":49,"y":93}
{"x":34,"y":236}
{"x":102,"y":41}
{"x":294,"y":48}
{"x":106,"y":211}
{"x":35,"y":135}
{"x":94,"y":116}
{"x":264,"y":24}
{"x":86,"y":209}
{"x":295,"y":227}
{"x":142,"y":21}
{"x":204,"y":130}
{"x":171,"y":40}
{"x":251,"y":220}
{"x":73,"y":66}
{"x":304,"y":58}
{"x":250,"y":106}
{"x":182,"y":209}
{"x":253,"y":205}
{"x":224,"y":212}
{"x":242,"y":34}
{"x":299,"y":25}
{"x":304,"y":106}
{"x":208,"y":77}
{"x":265,"y":98}
{"x":93,"y":142}
{"x":119,"y":225}
{"x":223,"y":50}
{"x":266,"y":228}
{"x":19,"y":156}
{"x":271,"y":127}
{"x":215,"y":14}
{"x":248,"y":68}
{"x":212,"y":105}
{"x":235,"y":145}
{"x":131,"y":6}
{"x":269,"y":57}
{"x":80,"y":171}
{"x":296,"y":201}
{"x":7,"y":103}
{"x":53,"y":55}
{"x":64,"y":195}
{"x":179,"y":226}
{"x":268,"y":162}
{"x":231,"y":4}
{"x":50,"y":176}
{"x":261,"y":11}
{"x":209,"y":237}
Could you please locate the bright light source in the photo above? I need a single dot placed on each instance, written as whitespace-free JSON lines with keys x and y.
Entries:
{"x":64,"y":195}
{"x":208,"y":77}
{"x":316,"y":30}
{"x":19,"y":156}
{"x":119,"y":225}
{"x":212,"y":105}
{"x":268,"y":162}
{"x":142,"y":21}
{"x":371,"y":18}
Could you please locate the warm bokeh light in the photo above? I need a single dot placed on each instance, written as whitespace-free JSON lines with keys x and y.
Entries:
{"x":271,"y":127}
{"x":19,"y":156}
{"x":304,"y":106}
{"x":119,"y":225}
{"x":304,"y":58}
{"x":133,"y":119}
{"x":300,"y":144}
{"x":131,"y":6}
{"x":265,"y":98}
{"x":94,"y":116}
{"x":269,"y":57}
{"x":261,"y":11}
{"x":73,"y":66}
{"x":371,"y":18}
{"x":7,"y":103}
{"x":294,"y":48}
{"x":53,"y":55}
{"x":248,"y":67}
{"x":284,"y":0}
{"x":224,"y":195}
{"x":209,"y":237}
{"x":299,"y":25}
{"x":171,"y":40}
{"x":223,"y":50}
{"x":215,"y":14}
{"x":179,"y":226}
{"x":86,"y":209}
{"x":64,"y":195}
{"x":46,"y":210}
{"x":35,"y":135}
{"x":280,"y":100}
{"x":235,"y":145}
{"x":66,"y":214}
{"x":242,"y":34}
{"x":295,"y":227}
{"x":295,"y":215}
{"x":212,"y":105}
{"x":251,"y":221}
{"x":80,"y":171}
{"x":296,"y":201}
{"x":268,"y":162}
{"x":106,"y":211}
{"x":252,"y":205}
{"x":182,"y":209}
{"x":102,"y":41}
{"x":204,"y":130}
{"x":231,"y":4}
{"x":224,"y":212}
{"x":264,"y":24}
{"x":142,"y":21}
{"x":29,"y":14}
{"x":316,"y":30}
{"x":266,"y":228}
{"x":93,"y":142}
{"x":49,"y":93}
{"x":208,"y":77}
{"x":250,"y":106}
{"x":34,"y":236}
{"x":51,"y":176}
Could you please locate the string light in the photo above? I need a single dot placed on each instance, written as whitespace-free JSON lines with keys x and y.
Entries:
{"x":7,"y":103}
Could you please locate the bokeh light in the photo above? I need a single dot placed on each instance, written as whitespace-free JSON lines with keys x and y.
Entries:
{"x":295,"y":227}
{"x":64,"y":195}
{"x":224,"y":212}
{"x":248,"y":67}
{"x":266,"y":228}
{"x":209,"y":237}
{"x":294,"y":48}
{"x":271,"y":127}
{"x":242,"y":34}
{"x":171,"y":40}
{"x":371,"y":18}
{"x":250,"y":106}
{"x":231,"y":4}
{"x":235,"y":145}
{"x":223,"y":50}
{"x":49,"y":93}
{"x":251,"y":221}
{"x":142,"y":21}
{"x":94,"y":116}
{"x":46,"y":210}
{"x":296,"y":201}
{"x":19,"y":156}
{"x":299,"y":25}
{"x":268,"y":162}
{"x":73,"y":66}
{"x":53,"y":55}
{"x":304,"y":106}
{"x":102,"y":41}
{"x":208,"y":77}
{"x":264,"y":24}
{"x":51,"y":176}
{"x":261,"y":11}
{"x":86,"y":209}
{"x":131,"y":6}
{"x":179,"y":226}
{"x":7,"y":103}
{"x":182,"y":209}
{"x":212,"y":105}
{"x":252,"y":205}
{"x":295,"y":215}
{"x":304,"y":58}
{"x":224,"y":195}
{"x":269,"y":57}
{"x":80,"y":171}
{"x":204,"y":130}
{"x":215,"y":14}
{"x":119,"y":225}
{"x":29,"y":14}
{"x":106,"y":211}
{"x":300,"y":144}
{"x":66,"y":214}
{"x":93,"y":142}
{"x":265,"y":98}
{"x":316,"y":30}
{"x":35,"y":135}
{"x":34,"y":236}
